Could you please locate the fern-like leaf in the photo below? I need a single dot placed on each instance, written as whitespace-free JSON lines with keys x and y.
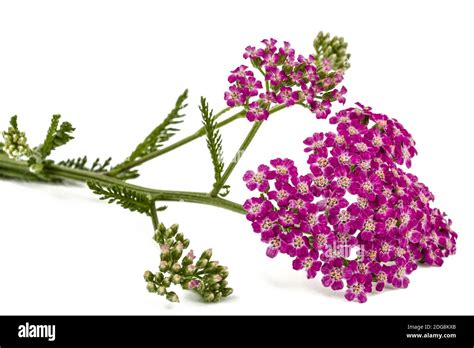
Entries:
{"x":58,"y":135}
{"x":81,"y":163}
{"x":127,"y":198}
{"x":98,"y":167}
{"x":163,"y":132}
{"x":214,"y":139}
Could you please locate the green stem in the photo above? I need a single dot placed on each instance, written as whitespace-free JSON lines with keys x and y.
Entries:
{"x":154,"y":216}
{"x":245,"y":144}
{"x":199,"y":133}
{"x":240,"y":152}
{"x":21,"y":169}
{"x":223,"y":111}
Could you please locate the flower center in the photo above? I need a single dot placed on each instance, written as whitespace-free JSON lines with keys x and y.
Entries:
{"x":302,"y":187}
{"x":336,"y":273}
{"x":387,"y":193}
{"x":298,"y":242}
{"x":331,"y":202}
{"x":267,"y":224}
{"x":282,"y":170}
{"x":363,"y":268}
{"x":361,"y":147}
{"x":399,"y":252}
{"x":308,"y":262}
{"x":352,"y":130}
{"x":318,"y":144}
{"x":368,"y":186}
{"x":255,"y":208}
{"x":287,"y":218}
{"x":342,"y":237}
{"x":401,"y":271}
{"x":380,"y":173}
{"x":369,"y":225}
{"x":340,"y":139}
{"x":321,"y":239}
{"x":390,"y":223}
{"x":343,"y":216}
{"x":404,"y":218}
{"x":383,"y":209}
{"x":364,"y":165}
{"x":299,"y":203}
{"x":258,"y":177}
{"x":282,"y":194}
{"x":322,"y":162}
{"x":343,"y":159}
{"x":382,"y":277}
{"x":320,"y":181}
{"x":311,"y":219}
{"x":385,"y":247}
{"x":275,"y":242}
{"x":377,"y":141}
{"x":357,"y":288}
{"x":344,"y":119}
{"x":343,"y":182}
{"x":372,"y":254}
{"x":362,"y":202}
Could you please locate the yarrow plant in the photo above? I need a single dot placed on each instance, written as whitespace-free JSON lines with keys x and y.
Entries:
{"x":355,"y":218}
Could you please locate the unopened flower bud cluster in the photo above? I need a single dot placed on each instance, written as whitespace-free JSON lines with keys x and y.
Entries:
{"x":15,"y":142}
{"x":203,"y":276}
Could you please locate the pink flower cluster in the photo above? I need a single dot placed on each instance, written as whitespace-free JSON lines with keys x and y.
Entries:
{"x":356,"y":217}
{"x":288,"y":79}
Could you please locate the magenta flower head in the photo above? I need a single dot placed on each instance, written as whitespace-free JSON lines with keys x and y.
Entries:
{"x":256,"y":111}
{"x":289,"y":78}
{"x":259,"y":180}
{"x":357,"y":216}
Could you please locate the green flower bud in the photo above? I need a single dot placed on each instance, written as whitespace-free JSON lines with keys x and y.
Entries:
{"x":224,"y":274}
{"x":174,"y":228}
{"x":186,"y":243}
{"x":165,"y":252}
{"x":161,"y":228}
{"x":161,"y":290}
{"x":177,"y":251}
{"x":15,"y":142}
{"x":216,"y":278}
{"x":227,"y":291}
{"x":176,"y":268}
{"x":166,"y":282}
{"x":151,"y":287}
{"x":212,"y":266}
{"x":176,"y":279}
{"x":179,"y":237}
{"x":201,"y":263}
{"x":172,"y":297}
{"x":148,"y":276}
{"x":207,"y":254}
{"x":159,"y":277}
{"x":208,"y":296}
{"x":157,"y":237}
{"x":164,"y":266}
{"x":217,"y":296}
{"x":189,"y":269}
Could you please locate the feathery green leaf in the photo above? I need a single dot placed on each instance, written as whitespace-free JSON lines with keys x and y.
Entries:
{"x":56,"y":136}
{"x":160,"y":134}
{"x":81,"y":163}
{"x":214,"y":139}
{"x":127,"y":198}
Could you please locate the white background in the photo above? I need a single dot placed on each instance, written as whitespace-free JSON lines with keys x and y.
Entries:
{"x":115,"y":68}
